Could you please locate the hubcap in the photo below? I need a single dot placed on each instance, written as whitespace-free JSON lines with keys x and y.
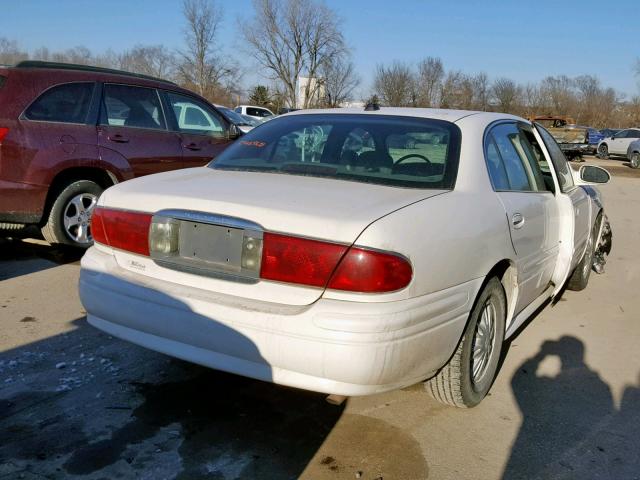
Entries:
{"x":483,"y":341}
{"x":77,"y":217}
{"x":635,"y":160}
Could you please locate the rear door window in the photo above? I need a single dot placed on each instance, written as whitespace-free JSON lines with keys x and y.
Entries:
{"x":129,"y":106}
{"x":67,"y":103}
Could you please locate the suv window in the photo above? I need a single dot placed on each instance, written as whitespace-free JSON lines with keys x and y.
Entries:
{"x":129,"y":106}
{"x":68,"y":103}
{"x":195,"y":117}
{"x":565,"y":179}
{"x":378,"y":149}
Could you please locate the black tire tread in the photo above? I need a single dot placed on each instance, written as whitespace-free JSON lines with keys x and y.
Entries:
{"x":51,"y":229}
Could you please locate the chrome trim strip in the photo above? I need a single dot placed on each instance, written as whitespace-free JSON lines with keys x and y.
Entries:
{"x":212,"y":219}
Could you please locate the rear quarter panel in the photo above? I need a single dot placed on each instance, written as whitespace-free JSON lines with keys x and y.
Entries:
{"x":449,"y":239}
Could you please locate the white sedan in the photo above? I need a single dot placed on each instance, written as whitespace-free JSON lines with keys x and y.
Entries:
{"x":348,"y":251}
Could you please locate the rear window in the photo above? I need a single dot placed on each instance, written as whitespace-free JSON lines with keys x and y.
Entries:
{"x":386,"y":150}
{"x":68,"y":103}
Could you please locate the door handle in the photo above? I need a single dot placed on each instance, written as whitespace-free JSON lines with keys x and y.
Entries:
{"x":118,"y":138}
{"x":192,"y":146}
{"x":517,"y":220}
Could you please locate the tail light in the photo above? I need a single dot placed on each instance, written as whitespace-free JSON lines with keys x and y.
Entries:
{"x":370,"y":271}
{"x":279,"y":257}
{"x":121,"y":229}
{"x":299,"y":260}
{"x":322,"y":264}
{"x":3,"y":133}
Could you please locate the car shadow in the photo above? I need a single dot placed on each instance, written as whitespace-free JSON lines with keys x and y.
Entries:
{"x":85,"y":403}
{"x":570,"y":426}
{"x":19,"y":257}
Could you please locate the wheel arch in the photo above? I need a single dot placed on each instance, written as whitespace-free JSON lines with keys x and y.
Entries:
{"x":102,"y":177}
{"x":505,"y":271}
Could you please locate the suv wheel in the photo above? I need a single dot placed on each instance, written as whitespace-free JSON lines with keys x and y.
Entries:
{"x":69,"y":220}
{"x":635,"y":160}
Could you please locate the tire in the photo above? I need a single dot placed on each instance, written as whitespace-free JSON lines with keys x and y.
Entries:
{"x":635,"y":160}
{"x":455,"y":384}
{"x":603,"y":151}
{"x":69,"y":219}
{"x":580,"y":276}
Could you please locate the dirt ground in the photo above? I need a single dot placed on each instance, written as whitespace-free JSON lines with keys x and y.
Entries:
{"x":76,"y":403}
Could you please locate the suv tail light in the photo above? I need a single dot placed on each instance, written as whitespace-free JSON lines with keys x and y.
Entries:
{"x":3,"y":133}
{"x":121,"y":229}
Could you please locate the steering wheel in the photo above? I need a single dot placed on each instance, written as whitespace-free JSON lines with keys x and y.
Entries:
{"x":412,"y":155}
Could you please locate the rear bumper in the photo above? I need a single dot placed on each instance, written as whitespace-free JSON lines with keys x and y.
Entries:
{"x":346,"y":348}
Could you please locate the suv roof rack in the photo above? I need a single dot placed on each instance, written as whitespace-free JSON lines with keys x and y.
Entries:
{"x":85,"y":68}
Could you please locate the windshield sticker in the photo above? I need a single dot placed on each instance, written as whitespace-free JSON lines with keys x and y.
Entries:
{"x":255,"y":143}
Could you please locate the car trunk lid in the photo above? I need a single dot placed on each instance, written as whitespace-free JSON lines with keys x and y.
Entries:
{"x":326,"y":209}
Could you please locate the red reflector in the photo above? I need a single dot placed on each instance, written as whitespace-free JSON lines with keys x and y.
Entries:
{"x":3,"y":133}
{"x":122,"y":229}
{"x":299,"y":260}
{"x":370,"y":271}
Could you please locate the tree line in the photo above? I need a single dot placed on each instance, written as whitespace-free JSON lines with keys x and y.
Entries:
{"x":428,"y":84}
{"x":289,"y":39}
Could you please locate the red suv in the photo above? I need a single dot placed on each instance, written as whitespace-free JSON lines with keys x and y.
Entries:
{"x":67,"y":132}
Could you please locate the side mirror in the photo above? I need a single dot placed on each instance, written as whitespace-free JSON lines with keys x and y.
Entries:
{"x":233,"y":132}
{"x":594,"y":174}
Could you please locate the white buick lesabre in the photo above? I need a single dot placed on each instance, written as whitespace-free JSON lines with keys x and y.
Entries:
{"x":348,"y":251}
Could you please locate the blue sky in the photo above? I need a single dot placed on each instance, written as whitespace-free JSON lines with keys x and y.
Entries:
{"x":520,"y":39}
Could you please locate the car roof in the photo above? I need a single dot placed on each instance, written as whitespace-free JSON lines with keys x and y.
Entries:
{"x":431,"y":113}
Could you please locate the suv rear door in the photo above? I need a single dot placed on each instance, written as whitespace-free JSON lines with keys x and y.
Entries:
{"x":203,"y":132}
{"x":133,"y":124}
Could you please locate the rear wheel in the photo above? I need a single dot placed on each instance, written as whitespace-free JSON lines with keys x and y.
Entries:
{"x":603,"y":151}
{"x":635,"y":160}
{"x":466,"y":379}
{"x":69,"y":220}
{"x":580,"y":276}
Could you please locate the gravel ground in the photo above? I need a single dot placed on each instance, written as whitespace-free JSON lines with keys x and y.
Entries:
{"x":76,"y":403}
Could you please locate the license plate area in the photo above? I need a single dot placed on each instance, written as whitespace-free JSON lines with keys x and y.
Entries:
{"x":215,"y":246}
{"x":207,"y":244}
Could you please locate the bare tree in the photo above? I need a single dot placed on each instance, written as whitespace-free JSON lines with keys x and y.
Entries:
{"x":291,"y":39}
{"x":202,"y":67}
{"x":10,"y":53}
{"x":506,"y":95}
{"x":395,"y":85}
{"x":429,"y":82}
{"x":340,"y":80}
{"x":559,"y":92}
{"x":154,"y":60}
{"x":452,"y":91}
{"x":480,"y":91}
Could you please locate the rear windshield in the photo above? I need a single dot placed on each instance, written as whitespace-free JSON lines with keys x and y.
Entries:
{"x":386,"y":150}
